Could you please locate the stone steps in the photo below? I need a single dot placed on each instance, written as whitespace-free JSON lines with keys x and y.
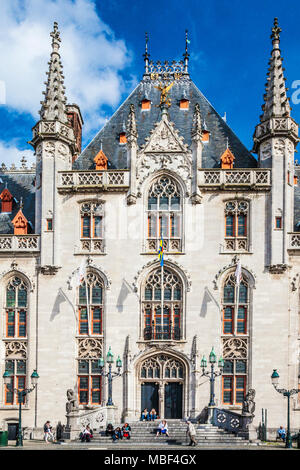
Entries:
{"x":143,"y":433}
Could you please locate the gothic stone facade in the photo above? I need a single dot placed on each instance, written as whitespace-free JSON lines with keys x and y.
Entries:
{"x":166,"y":163}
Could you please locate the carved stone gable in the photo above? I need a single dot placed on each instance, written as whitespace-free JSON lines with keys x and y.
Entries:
{"x":164,"y":139}
{"x":164,"y":150}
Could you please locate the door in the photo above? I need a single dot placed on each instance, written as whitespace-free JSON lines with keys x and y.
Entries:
{"x":173,"y":400}
{"x":12,"y":431}
{"x":149,"y":396}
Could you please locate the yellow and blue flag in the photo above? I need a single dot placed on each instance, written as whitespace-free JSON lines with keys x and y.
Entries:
{"x":161,"y":252}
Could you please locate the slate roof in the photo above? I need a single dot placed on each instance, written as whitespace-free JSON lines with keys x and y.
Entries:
{"x":183,"y":119}
{"x":20,"y":185}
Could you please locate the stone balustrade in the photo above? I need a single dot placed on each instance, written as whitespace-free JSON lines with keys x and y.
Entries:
{"x":259,"y":179}
{"x":111,"y":180}
{"x":27,"y":243}
{"x":294,"y":241}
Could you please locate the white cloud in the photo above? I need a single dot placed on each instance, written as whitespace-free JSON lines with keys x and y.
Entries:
{"x":9,"y":154}
{"x":92,"y":56}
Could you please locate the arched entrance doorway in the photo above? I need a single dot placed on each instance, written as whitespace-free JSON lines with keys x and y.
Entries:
{"x":162,"y":379}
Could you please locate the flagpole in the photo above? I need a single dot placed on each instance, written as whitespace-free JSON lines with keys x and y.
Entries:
{"x":87,"y":300}
{"x":162,"y":297}
{"x":238,"y":281}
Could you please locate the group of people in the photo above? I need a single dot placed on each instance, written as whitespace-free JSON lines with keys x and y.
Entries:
{"x":118,"y":433}
{"x":149,"y":415}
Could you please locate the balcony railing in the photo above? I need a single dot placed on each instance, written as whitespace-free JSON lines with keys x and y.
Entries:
{"x":259,"y":179}
{"x":27,"y":243}
{"x":162,"y":333}
{"x":236,"y":244}
{"x":113,"y":180}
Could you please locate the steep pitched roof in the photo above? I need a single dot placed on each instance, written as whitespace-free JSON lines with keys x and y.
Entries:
{"x":21,"y":185}
{"x":108,"y":136}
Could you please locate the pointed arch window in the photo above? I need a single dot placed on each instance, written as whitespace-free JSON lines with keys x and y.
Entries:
{"x":163,"y":306}
{"x":235,"y":338}
{"x":16,"y":308}
{"x":164,"y":215}
{"x":237,"y":226}
{"x":90,"y":305}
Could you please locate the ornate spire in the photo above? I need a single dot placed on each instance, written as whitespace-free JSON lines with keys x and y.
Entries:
{"x":197,"y":127}
{"x":131,"y":124}
{"x":146,"y":55}
{"x":276,"y":101}
{"x":54,"y":104}
{"x":186,"y":55}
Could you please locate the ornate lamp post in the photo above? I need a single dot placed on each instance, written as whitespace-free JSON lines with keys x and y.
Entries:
{"x":110,"y":375}
{"x":285,"y":393}
{"x":212,"y":374}
{"x":21,"y":394}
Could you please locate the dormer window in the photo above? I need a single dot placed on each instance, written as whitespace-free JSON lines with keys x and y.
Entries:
{"x":146,"y":105}
{"x":122,"y":138}
{"x":20,"y":224}
{"x":184,"y":103}
{"x":227,"y":160}
{"x":101,"y":161}
{"x":7,"y":200}
{"x":205,"y":136}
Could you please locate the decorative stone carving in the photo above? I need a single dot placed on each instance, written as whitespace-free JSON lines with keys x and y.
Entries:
{"x":15,"y":349}
{"x":235,"y":348}
{"x":279,"y":147}
{"x":62,"y":150}
{"x":248,"y":403}
{"x":90,"y":347}
{"x":49,"y":149}
{"x":278,"y":268}
{"x":168,"y":263}
{"x":72,"y":403}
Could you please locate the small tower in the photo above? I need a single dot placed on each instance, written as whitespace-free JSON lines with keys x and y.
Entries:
{"x":275,"y":139}
{"x":54,"y":142}
{"x":132,"y":148}
{"x":197,"y":147}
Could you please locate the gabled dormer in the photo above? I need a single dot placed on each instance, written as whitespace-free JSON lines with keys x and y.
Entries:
{"x":6,"y":201}
{"x":20,"y":224}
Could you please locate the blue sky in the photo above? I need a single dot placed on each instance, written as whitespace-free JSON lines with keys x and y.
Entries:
{"x":102,"y":47}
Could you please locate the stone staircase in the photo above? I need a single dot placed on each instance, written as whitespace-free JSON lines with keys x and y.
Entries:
{"x":144,"y":433}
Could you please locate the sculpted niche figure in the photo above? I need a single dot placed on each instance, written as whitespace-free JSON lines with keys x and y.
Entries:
{"x":249,"y":404}
{"x":72,"y":403}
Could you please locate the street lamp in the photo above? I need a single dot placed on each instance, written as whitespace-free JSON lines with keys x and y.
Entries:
{"x":212,"y":374}
{"x":285,"y":393}
{"x":110,"y":375}
{"x":21,"y":394}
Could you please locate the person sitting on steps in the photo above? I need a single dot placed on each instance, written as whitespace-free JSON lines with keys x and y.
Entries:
{"x":152,"y":414}
{"x":145,"y":415}
{"x":162,"y":428}
{"x":126,"y":430}
{"x":117,"y":435}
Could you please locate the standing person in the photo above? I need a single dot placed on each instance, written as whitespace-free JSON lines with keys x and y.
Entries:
{"x":48,"y":432}
{"x":191,"y":432}
{"x":126,"y":430}
{"x":162,"y":428}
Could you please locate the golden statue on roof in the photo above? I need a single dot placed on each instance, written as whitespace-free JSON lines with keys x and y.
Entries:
{"x":164,"y":98}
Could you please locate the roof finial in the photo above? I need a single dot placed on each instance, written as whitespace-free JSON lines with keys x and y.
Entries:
{"x":55,"y":34}
{"x":186,"y":54}
{"x":275,"y":36}
{"x":146,"y":55}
